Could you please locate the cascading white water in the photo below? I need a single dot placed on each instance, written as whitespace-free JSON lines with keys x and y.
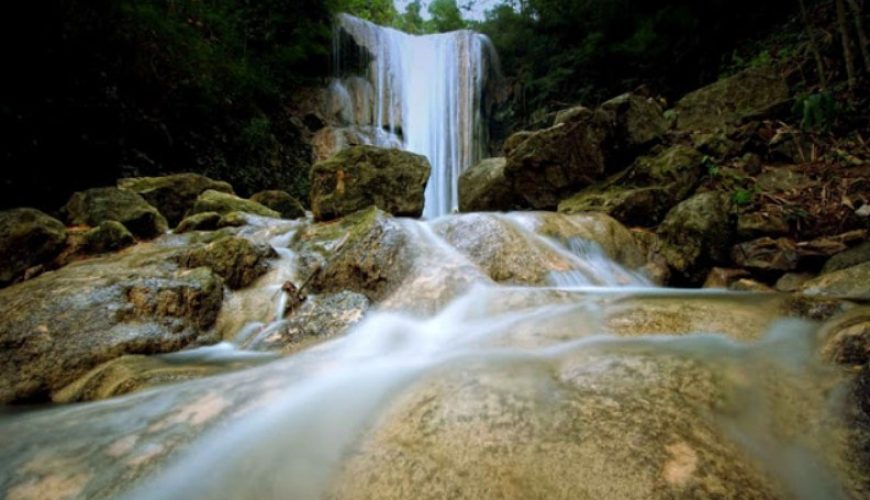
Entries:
{"x":421,"y":92}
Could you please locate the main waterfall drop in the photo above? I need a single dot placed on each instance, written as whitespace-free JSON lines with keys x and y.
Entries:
{"x":424,"y":94}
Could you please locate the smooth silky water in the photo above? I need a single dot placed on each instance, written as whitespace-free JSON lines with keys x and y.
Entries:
{"x":576,"y":388}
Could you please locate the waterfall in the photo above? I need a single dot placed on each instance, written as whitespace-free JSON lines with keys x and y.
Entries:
{"x":420,"y":93}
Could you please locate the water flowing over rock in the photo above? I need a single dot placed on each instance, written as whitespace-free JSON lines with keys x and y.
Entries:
{"x":516,"y":355}
{"x":422,"y":93}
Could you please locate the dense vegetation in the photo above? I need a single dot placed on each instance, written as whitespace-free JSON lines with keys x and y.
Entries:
{"x":104,"y":88}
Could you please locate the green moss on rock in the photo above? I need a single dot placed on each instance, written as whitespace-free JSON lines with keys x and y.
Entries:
{"x":98,"y":205}
{"x":224,"y":203}
{"x":28,"y":237}
{"x":173,"y":195}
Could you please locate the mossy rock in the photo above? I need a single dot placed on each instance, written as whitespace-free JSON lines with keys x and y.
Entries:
{"x":173,"y":195}
{"x":724,"y":103}
{"x":642,"y":194}
{"x":28,"y":238}
{"x":696,"y":234}
{"x":224,"y":203}
{"x":109,"y":236}
{"x":59,"y":325}
{"x":281,"y":202}
{"x":363,"y":176}
{"x":851,"y":257}
{"x":98,"y":205}
{"x":546,"y":166}
{"x":205,"y":221}
{"x":239,"y":261}
{"x":851,"y":283}
{"x":635,"y":121}
{"x":484,"y":188}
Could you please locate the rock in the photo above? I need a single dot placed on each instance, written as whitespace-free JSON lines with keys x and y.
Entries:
{"x":767,"y":254}
{"x":727,"y":101}
{"x":642,"y":194}
{"x":851,"y":283}
{"x":500,"y":249}
{"x":204,"y":221}
{"x":696,"y":234}
{"x":780,"y":180}
{"x":173,"y":195}
{"x":513,"y":141}
{"x":636,"y":122}
{"x":281,"y":202}
{"x":548,"y":165}
{"x":236,"y":259}
{"x":754,"y":225}
{"x":319,"y":318}
{"x":28,"y":238}
{"x":851,"y":257}
{"x":572,"y":114}
{"x":484,"y":188}
{"x":233,"y":219}
{"x":615,"y":240}
{"x":750,"y":285}
{"x":56,"y":327}
{"x":846,"y":338}
{"x":109,"y":236}
{"x":128,"y":374}
{"x":792,"y":282}
{"x":720,"y":277}
{"x":365,"y":252}
{"x":656,"y":266}
{"x":224,"y":203}
{"x":364,"y":176}
{"x":95,"y":206}
{"x":863,"y":211}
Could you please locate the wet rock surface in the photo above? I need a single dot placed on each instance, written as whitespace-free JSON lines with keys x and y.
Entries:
{"x":695,"y":234}
{"x":59,"y":325}
{"x":237,"y":260}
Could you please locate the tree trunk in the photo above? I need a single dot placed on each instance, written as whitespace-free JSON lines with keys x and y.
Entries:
{"x":859,"y":28}
{"x":847,"y":46}
{"x":814,"y":47}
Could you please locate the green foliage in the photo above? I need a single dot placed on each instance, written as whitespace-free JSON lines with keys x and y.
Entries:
{"x":411,"y":21}
{"x":559,"y":52}
{"x":742,"y":197}
{"x":710,"y":165}
{"x":818,"y":111}
{"x":381,"y":12}
{"x":445,"y":16}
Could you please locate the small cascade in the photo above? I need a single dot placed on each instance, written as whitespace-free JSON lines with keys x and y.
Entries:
{"x":421,"y":93}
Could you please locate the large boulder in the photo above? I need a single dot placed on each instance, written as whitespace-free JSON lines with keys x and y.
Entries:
{"x":98,"y":205}
{"x":548,"y":165}
{"x":851,"y":257}
{"x":851,"y":283}
{"x":362,"y":176}
{"x":224,"y":203}
{"x":238,"y":260}
{"x":643,"y":193}
{"x":109,"y":236}
{"x":203,"y":221}
{"x":56,"y":327}
{"x":484,"y":188}
{"x":722,"y":104}
{"x":366,"y":252}
{"x":696,"y":235}
{"x":28,"y":238}
{"x":767,"y":254}
{"x":281,"y":202}
{"x":173,"y":195}
{"x":635,"y":121}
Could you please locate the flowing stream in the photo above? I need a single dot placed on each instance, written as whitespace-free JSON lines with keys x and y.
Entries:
{"x":590,"y":384}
